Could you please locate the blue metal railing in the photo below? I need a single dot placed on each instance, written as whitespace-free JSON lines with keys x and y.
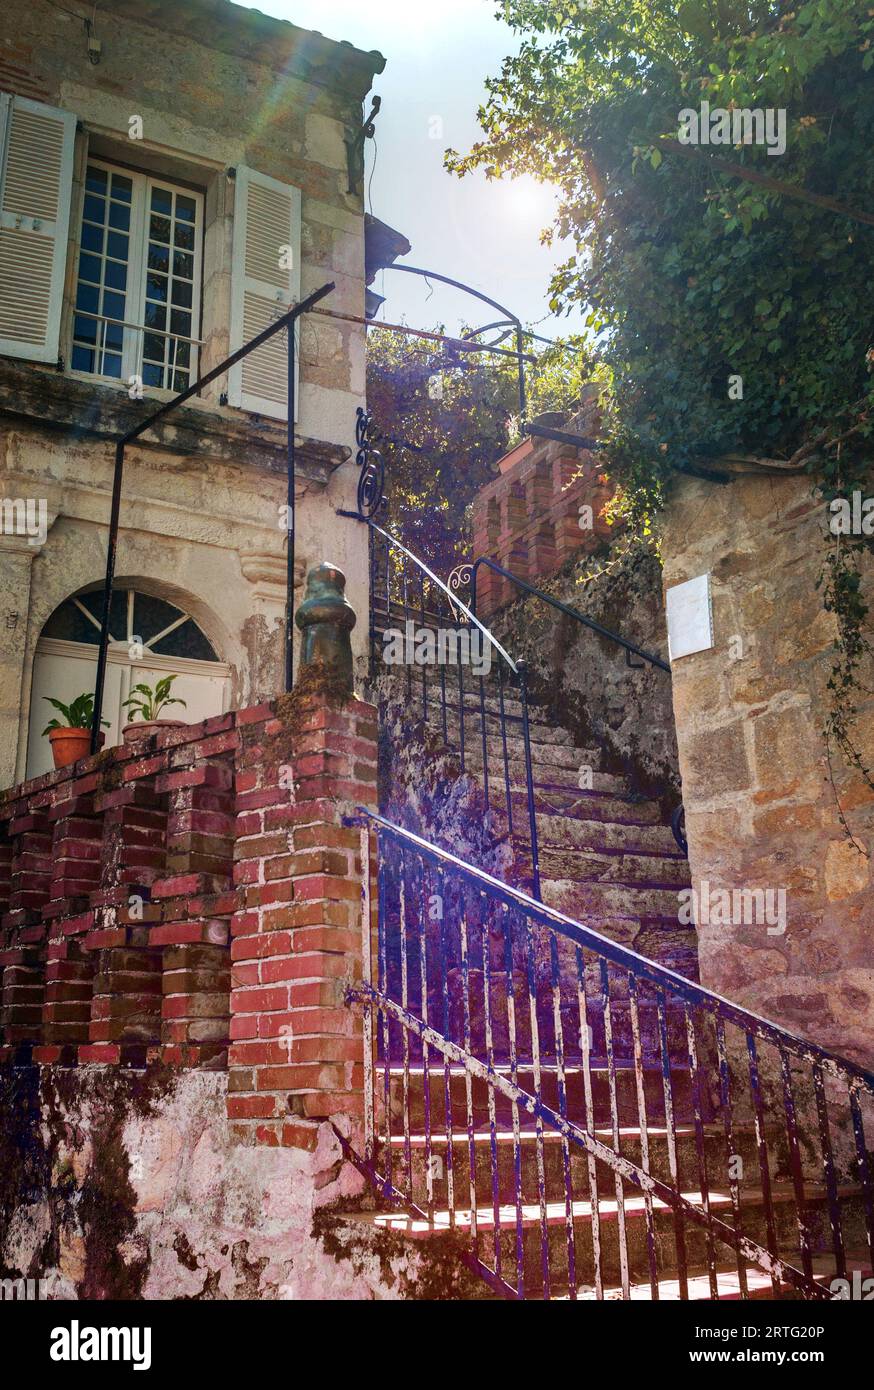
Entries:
{"x":546,"y":1092}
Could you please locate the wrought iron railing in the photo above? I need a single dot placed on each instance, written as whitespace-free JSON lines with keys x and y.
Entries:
{"x":481,"y":714}
{"x":594,"y":1124}
{"x":677,"y":819}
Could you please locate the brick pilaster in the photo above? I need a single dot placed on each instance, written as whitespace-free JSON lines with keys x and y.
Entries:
{"x":296,"y":1049}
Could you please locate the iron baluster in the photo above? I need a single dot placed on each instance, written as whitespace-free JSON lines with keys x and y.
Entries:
{"x":762,"y":1149}
{"x":831,"y":1182}
{"x":588,"y":1100}
{"x":614,"y":1126}
{"x":728,"y":1122}
{"x":697,"y":1113}
{"x":640,"y":1086}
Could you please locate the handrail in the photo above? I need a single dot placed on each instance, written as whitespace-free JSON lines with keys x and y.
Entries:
{"x":456,"y":602}
{"x":563,"y":608}
{"x":585,"y":936}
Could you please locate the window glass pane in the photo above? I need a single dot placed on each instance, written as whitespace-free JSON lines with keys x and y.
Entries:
{"x":152,"y":615}
{"x":89,"y":268}
{"x":85,"y":330}
{"x":156,"y":315}
{"x":186,"y":208}
{"x":119,"y":216}
{"x":111,"y":364}
{"x":117,"y":610}
{"x":153,"y":347}
{"x":183,"y":236}
{"x":113,"y":336}
{"x":113,"y":305}
{"x":188,"y":641}
{"x":82,"y":360}
{"x":95,"y":209}
{"x":159,"y":257}
{"x":70,"y":625}
{"x":95,"y":179}
{"x":182,"y":294}
{"x":153,"y":375}
{"x":156,"y":287}
{"x":162,"y":200}
{"x":180,"y":322}
{"x":87,"y":297}
{"x":183,"y":264}
{"x":159,"y":229}
{"x":117,"y":245}
{"x":183,"y":354}
{"x":116,"y":275}
{"x":121,"y":187}
{"x":92,"y":238}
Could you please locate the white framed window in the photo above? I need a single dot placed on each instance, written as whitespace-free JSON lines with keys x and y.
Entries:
{"x":138,"y":281}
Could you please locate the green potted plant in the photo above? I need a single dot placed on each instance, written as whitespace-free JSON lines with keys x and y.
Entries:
{"x":71,"y":740}
{"x":144,"y":705}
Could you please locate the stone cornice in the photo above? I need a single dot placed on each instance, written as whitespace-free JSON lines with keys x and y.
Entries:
{"x":259,"y":38}
{"x":49,"y":400}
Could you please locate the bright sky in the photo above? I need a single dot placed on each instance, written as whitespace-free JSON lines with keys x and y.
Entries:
{"x":439,"y":53}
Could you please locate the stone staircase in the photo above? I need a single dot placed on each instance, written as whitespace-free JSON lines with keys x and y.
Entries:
{"x":548,"y":1214}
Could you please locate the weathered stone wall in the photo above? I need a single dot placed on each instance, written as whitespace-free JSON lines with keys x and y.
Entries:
{"x":762,"y":802}
{"x":126,"y":1184}
{"x":585,"y":679}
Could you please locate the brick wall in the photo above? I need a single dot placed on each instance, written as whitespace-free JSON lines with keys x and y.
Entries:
{"x":530,"y":519}
{"x":124,"y":877}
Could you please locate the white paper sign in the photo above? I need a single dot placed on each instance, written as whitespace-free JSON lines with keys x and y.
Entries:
{"x":690,"y":617}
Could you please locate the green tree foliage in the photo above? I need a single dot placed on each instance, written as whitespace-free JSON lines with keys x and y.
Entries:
{"x":441,"y":420}
{"x":692,"y":275}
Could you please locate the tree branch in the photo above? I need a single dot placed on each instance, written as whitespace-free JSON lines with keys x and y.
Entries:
{"x":788,"y":190}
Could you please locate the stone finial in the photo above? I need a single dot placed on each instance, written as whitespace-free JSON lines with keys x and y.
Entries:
{"x":326,"y":618}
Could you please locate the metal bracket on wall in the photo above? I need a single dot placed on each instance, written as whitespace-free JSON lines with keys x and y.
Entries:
{"x":355,"y":148}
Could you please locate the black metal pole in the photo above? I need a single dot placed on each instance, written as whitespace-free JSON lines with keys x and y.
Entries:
{"x":288,"y":319}
{"x":290,"y":519}
{"x":112,"y":544}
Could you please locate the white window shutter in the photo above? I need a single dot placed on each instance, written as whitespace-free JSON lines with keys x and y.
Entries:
{"x":265,"y":283}
{"x":36,"y":181}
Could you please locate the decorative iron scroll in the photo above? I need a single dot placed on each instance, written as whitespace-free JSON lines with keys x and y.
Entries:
{"x":371,"y":481}
{"x":459,"y":578}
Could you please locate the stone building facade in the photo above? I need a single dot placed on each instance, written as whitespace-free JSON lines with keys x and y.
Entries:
{"x":172,"y":177}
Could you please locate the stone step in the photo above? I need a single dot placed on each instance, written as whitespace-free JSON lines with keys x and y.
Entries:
{"x":411,"y":1158}
{"x":544,"y":753}
{"x":595,"y":805}
{"x":579,"y":832}
{"x":497,"y":1238}
{"x":409,"y":1095}
{"x":610,"y":901}
{"x":658,"y":871}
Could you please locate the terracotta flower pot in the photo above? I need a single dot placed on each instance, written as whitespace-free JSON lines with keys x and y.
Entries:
{"x":141,"y":728}
{"x":69,"y":745}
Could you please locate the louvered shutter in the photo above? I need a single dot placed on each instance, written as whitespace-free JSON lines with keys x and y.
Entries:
{"x":36,"y":179}
{"x":266,"y":224}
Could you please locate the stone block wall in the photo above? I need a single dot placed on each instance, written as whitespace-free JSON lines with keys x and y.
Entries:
{"x":763,"y":799}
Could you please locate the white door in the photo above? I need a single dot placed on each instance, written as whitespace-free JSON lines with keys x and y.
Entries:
{"x":150,"y":639}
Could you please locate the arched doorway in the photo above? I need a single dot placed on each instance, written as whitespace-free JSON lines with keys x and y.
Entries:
{"x":149,"y":638}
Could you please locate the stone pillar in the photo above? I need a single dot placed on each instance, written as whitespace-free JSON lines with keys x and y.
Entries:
{"x":296,"y":1047}
{"x":16,"y":561}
